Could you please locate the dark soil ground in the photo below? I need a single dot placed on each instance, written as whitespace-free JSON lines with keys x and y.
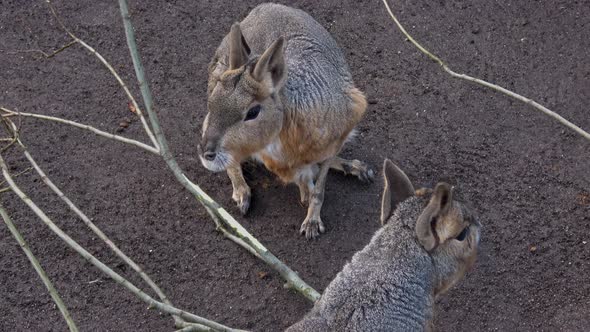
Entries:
{"x":526,"y":176}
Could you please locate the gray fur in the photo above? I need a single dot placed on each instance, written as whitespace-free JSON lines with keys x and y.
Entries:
{"x":318,"y":75}
{"x":387,"y":286}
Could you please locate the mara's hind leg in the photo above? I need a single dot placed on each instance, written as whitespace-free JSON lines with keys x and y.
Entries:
{"x":312,"y":225}
{"x":304,"y":181}
{"x":353,"y":167}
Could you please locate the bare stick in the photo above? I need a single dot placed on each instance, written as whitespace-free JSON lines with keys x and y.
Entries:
{"x":101,"y":266}
{"x":92,"y":226}
{"x":48,"y":284}
{"x":215,"y":210}
{"x":487,"y":84}
{"x":146,"y":127}
{"x":83,"y":126}
{"x":45,"y":55}
{"x":11,"y":141}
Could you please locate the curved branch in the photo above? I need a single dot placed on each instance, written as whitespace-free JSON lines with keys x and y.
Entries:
{"x":83,"y":126}
{"x":498,"y":88}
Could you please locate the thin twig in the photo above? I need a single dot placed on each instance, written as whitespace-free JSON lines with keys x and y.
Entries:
{"x":92,"y":226}
{"x":11,"y":140}
{"x":146,"y":127}
{"x":83,"y":126}
{"x":18,"y":174}
{"x":45,"y":55}
{"x":101,"y":266}
{"x":215,"y":210}
{"x":35,"y":263}
{"x":487,"y":84}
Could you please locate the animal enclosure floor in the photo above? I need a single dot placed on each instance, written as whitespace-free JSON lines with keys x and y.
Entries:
{"x":527,"y":176}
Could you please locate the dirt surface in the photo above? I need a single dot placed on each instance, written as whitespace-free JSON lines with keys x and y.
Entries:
{"x":526,"y":176}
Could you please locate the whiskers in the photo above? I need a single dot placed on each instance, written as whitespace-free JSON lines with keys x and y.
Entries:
{"x":221,"y":162}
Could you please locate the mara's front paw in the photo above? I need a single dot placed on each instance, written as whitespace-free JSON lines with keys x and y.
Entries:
{"x":312,"y":227}
{"x":242,"y":198}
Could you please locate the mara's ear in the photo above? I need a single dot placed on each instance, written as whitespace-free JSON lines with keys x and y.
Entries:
{"x":238,"y":48}
{"x":440,"y":203}
{"x":271,"y":64}
{"x":397,"y":188}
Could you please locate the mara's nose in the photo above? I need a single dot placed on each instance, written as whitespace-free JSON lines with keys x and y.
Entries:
{"x":207,"y":149}
{"x":209,"y":155}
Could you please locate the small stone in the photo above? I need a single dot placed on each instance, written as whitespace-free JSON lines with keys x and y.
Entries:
{"x":532,"y":248}
{"x":522,"y":21}
{"x":262,"y":274}
{"x":123,"y":124}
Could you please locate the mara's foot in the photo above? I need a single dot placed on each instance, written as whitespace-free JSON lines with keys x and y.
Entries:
{"x":312,"y":227}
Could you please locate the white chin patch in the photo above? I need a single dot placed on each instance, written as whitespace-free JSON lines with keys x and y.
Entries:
{"x":221,"y":162}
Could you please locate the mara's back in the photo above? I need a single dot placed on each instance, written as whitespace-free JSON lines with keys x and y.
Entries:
{"x":318,"y":76}
{"x":386,"y":286}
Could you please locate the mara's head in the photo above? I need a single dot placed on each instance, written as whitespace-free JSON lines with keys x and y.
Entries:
{"x":244,"y":108}
{"x":445,"y":228}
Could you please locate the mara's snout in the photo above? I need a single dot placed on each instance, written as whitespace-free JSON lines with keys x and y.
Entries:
{"x":212,"y":156}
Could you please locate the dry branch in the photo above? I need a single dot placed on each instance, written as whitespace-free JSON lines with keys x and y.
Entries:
{"x":82,"y":126}
{"x":48,"y":284}
{"x":487,"y":84}
{"x":45,"y":54}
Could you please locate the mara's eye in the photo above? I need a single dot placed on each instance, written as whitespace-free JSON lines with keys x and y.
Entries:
{"x":252,"y":113}
{"x":463,"y":234}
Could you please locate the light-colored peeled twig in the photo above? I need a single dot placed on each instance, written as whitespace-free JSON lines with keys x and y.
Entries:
{"x":487,"y":84}
{"x":101,"y":266}
{"x":48,"y":284}
{"x":137,"y":110}
{"x":83,"y":126}
{"x":219,"y":214}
